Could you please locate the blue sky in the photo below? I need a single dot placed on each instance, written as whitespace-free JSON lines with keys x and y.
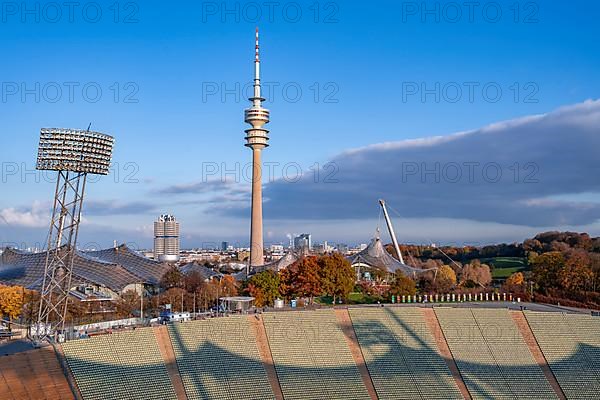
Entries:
{"x":171,"y":76}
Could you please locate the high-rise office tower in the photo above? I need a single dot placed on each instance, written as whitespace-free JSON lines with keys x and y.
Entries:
{"x":303,"y":242}
{"x":166,"y":239}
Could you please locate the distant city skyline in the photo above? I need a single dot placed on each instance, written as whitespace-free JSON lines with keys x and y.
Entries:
{"x":475,"y":131}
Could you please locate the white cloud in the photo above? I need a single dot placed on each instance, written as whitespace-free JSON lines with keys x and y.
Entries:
{"x":37,"y":216}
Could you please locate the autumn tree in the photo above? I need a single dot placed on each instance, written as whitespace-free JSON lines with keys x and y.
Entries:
{"x":367,"y":288}
{"x":207,"y":293}
{"x":445,"y":279}
{"x":475,"y":274}
{"x":514,"y":283}
{"x":264,"y":287}
{"x":11,"y":301}
{"x":128,"y":303}
{"x":302,"y":278}
{"x":77,"y":311}
{"x":576,"y":274}
{"x":174,"y":296}
{"x":193,"y":281}
{"x":595,"y":267}
{"x":337,"y":276}
{"x":546,"y":267}
{"x":532,"y":245}
{"x":173,"y":278}
{"x":516,"y":279}
{"x":402,"y":285}
{"x":31,"y":307}
{"x":228,"y":286}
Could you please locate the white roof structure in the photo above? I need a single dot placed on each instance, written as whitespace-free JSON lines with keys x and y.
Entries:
{"x":376,"y":256}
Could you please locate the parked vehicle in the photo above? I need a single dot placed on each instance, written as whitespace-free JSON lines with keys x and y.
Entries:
{"x":169,"y":316}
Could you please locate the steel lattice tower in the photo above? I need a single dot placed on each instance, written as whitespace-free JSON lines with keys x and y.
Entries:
{"x":73,"y":154}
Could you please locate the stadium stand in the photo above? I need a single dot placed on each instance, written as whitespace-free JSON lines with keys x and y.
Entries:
{"x":436,"y":330}
{"x":571,"y":346}
{"x":33,"y":374}
{"x":491,"y":354}
{"x":219,"y":359}
{"x":168,"y":355}
{"x":345,"y":323}
{"x":357,"y":353}
{"x":401,"y":354}
{"x":311,"y":356}
{"x":125,"y":365}
{"x":525,"y":330}
{"x":265,"y":354}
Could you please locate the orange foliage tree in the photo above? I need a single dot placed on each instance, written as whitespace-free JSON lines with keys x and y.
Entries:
{"x":515,"y":283}
{"x":576,"y":274}
{"x":11,"y":301}
{"x":302,"y":278}
{"x":445,"y":280}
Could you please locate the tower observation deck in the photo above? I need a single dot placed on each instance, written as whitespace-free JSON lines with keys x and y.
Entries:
{"x":257,"y":137}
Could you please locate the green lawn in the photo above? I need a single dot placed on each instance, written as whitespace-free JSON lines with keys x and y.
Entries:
{"x":503,"y":267}
{"x":503,"y":273}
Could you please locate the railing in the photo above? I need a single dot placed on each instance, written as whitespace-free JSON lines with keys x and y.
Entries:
{"x":457,"y":298}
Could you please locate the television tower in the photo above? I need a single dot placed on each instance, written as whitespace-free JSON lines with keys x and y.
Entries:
{"x":256,"y":138}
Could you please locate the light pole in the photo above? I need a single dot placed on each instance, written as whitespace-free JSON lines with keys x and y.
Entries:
{"x":142,"y":304}
{"x":73,"y":154}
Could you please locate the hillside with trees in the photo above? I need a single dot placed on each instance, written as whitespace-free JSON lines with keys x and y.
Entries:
{"x":553,"y":267}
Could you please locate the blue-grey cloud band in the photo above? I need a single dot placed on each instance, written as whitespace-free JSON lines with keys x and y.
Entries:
{"x":510,"y":172}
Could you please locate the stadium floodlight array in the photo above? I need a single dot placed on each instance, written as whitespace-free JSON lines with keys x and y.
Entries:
{"x":73,"y":153}
{"x":74,"y":150}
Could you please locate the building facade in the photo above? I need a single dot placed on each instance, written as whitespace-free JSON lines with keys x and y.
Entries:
{"x":303,"y":241}
{"x":166,"y":239}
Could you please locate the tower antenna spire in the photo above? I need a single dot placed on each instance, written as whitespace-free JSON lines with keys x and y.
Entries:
{"x":257,"y":59}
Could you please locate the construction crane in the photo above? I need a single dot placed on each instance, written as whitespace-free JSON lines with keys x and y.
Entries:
{"x":388,"y":221}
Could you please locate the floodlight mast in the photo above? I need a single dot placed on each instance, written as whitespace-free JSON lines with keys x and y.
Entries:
{"x":388,"y":221}
{"x":73,"y":154}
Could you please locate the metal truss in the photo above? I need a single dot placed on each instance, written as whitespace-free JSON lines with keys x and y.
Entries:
{"x":62,"y":245}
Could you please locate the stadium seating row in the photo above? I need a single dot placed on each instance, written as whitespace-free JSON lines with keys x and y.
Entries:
{"x":571,"y":345}
{"x":311,"y":356}
{"x":491,"y":354}
{"x":401,"y":354}
{"x":126,"y":365}
{"x":219,"y":359}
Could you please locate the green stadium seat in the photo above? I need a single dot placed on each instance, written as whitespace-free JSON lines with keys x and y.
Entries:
{"x":219,"y":359}
{"x":491,"y":354}
{"x":126,"y":365}
{"x":571,"y":345}
{"x":401,"y":354}
{"x":312,"y":357}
